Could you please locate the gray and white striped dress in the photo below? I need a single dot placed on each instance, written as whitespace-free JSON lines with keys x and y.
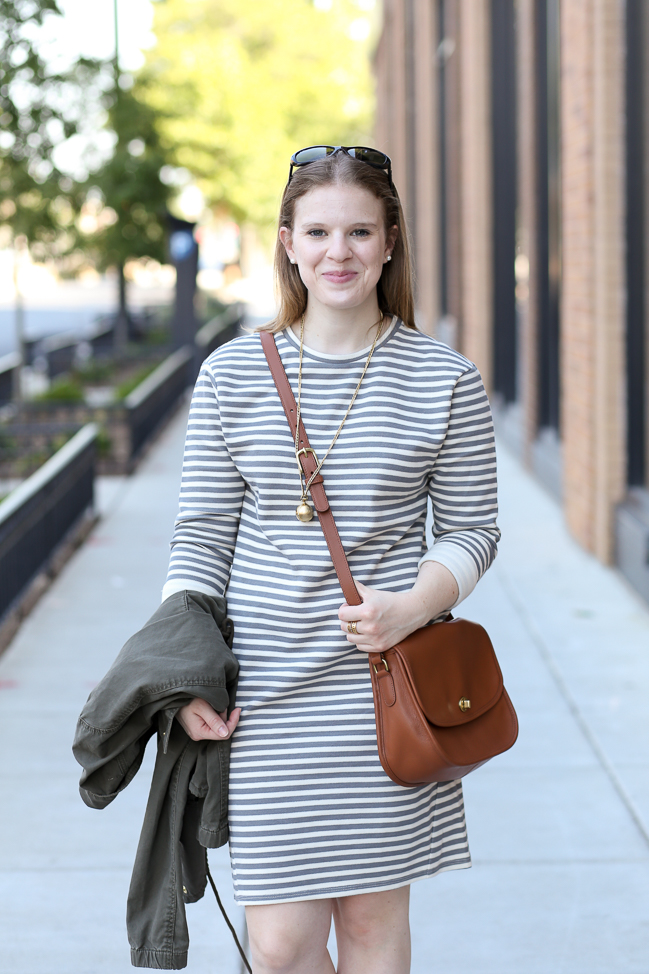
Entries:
{"x":312,"y":813}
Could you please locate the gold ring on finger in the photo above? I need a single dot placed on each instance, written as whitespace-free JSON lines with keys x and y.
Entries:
{"x":351,"y":628}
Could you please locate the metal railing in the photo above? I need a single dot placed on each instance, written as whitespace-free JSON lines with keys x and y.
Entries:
{"x":151,"y":402}
{"x":36,"y":517}
{"x":24,"y":447}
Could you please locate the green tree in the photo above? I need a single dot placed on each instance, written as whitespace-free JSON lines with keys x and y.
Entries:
{"x":40,"y":108}
{"x":131,"y":195}
{"x":250,"y":83}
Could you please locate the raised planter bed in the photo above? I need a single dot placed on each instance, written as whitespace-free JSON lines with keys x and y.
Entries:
{"x":150,"y":404}
{"x":124,"y":427}
{"x":42,"y":521}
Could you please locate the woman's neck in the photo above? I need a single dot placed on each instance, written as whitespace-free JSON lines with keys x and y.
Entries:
{"x":339,"y":331}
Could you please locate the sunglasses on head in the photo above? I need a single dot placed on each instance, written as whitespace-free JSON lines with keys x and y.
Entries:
{"x":373,"y":157}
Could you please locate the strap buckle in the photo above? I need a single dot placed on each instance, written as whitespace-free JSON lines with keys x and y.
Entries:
{"x":305,"y":450}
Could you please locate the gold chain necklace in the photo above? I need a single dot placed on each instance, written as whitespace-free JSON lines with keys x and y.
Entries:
{"x":304,"y":511}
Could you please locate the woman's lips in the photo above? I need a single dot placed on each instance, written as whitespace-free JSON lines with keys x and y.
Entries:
{"x":337,"y":277}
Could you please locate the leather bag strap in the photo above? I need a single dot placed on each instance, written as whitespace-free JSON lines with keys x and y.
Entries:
{"x":309,"y":463}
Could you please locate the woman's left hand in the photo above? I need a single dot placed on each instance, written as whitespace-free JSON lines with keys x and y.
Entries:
{"x":385,"y":618}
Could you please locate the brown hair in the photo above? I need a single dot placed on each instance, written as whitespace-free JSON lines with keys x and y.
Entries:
{"x":394,"y":289}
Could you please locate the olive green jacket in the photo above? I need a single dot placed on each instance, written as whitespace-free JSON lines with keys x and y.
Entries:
{"x":183,"y":651}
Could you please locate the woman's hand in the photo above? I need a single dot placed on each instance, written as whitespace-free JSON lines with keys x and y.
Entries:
{"x":385,"y":618}
{"x":202,"y":723}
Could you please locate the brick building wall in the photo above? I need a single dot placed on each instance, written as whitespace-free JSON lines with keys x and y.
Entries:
{"x":416,"y":158}
{"x":443,"y":167}
{"x":592,"y":311}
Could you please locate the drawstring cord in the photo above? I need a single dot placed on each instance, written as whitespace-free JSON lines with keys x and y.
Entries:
{"x":227,"y":920}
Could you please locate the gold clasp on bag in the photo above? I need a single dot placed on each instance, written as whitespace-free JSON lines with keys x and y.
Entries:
{"x":385,"y":663}
{"x":464,"y":705}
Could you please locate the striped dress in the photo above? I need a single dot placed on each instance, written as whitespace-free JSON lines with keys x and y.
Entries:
{"x":312,"y":813}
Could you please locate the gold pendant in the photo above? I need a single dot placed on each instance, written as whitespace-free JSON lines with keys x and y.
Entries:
{"x":304,"y":511}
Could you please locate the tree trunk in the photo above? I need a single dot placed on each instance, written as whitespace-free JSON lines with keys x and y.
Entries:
{"x":19,"y":324}
{"x":121,"y":322}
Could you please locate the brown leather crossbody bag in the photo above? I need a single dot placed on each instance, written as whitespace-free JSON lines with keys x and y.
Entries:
{"x":441,"y":707}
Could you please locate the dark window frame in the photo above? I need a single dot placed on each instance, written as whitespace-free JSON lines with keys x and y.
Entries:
{"x":504,"y":197}
{"x":636,"y":255}
{"x":442,"y":161}
{"x":548,"y":203}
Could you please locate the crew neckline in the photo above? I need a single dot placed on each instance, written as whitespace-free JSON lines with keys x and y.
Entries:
{"x":291,"y":337}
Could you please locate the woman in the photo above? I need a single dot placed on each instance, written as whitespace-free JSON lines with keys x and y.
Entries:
{"x":317,"y":829}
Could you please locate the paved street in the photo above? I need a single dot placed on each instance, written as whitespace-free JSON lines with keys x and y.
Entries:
{"x":559,"y":827}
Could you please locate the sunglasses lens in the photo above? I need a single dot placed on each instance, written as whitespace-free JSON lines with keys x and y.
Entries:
{"x":312,"y":154}
{"x":371,"y":156}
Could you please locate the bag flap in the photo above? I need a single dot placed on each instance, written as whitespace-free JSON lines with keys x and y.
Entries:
{"x":453,"y":670}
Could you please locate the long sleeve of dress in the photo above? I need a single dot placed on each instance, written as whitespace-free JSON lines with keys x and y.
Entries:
{"x":211,"y":497}
{"x":463,"y":489}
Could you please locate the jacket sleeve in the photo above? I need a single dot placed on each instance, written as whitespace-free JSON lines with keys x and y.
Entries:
{"x":182,"y":652}
{"x":463,"y":488}
{"x":211,"y":496}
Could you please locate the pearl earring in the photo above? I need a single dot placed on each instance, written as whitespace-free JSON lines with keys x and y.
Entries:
{"x":389,"y":257}
{"x":292,"y":260}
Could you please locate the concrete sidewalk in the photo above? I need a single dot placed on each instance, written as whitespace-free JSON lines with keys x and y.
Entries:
{"x":559,"y":827}
{"x":65,"y":868}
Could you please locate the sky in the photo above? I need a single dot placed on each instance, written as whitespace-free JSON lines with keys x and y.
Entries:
{"x":86,"y":28}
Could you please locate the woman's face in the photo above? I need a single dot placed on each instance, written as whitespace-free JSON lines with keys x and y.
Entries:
{"x":339,"y":243}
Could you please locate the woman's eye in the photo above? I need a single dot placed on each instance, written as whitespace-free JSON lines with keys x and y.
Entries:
{"x":316,"y":233}
{"x":361,"y":233}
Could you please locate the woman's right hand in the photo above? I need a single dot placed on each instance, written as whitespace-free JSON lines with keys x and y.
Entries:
{"x":202,"y":723}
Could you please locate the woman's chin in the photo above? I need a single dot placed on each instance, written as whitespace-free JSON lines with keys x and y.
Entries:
{"x":341,"y":299}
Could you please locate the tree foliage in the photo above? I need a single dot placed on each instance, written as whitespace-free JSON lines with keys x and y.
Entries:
{"x":243,"y":84}
{"x":40,"y":108}
{"x":131,"y":215}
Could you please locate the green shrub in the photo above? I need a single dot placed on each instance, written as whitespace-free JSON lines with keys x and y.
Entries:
{"x":26,"y":465}
{"x":160,"y":335}
{"x":94,"y":371}
{"x":122,"y":390}
{"x":63,"y":389}
{"x":103,"y":442}
{"x":7,"y":442}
